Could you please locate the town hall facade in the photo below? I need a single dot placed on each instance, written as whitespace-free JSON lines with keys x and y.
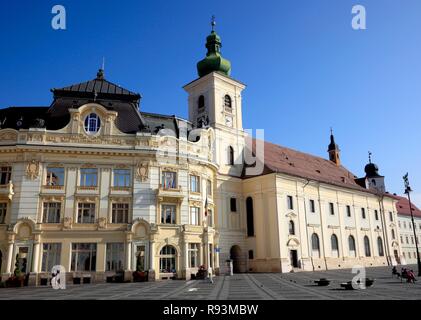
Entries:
{"x":98,"y":186}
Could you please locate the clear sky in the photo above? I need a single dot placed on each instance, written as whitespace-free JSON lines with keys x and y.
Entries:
{"x":305,"y":68}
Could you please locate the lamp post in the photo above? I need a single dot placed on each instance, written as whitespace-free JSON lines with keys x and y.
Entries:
{"x":408,"y":191}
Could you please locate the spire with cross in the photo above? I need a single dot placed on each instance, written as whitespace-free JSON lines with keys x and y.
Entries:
{"x":213,"y":23}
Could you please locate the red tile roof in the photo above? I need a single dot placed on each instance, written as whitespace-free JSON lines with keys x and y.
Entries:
{"x":288,"y":161}
{"x":403,"y":207}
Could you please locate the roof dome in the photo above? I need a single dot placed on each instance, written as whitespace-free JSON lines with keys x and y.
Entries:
{"x":213,"y":60}
{"x":371,"y":170}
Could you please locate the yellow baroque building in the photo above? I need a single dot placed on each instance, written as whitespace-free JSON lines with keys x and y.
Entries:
{"x":101,"y":188}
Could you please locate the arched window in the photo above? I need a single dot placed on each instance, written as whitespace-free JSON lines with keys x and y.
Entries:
{"x":334,"y":245}
{"x":227,"y":103}
{"x":92,"y":123}
{"x":250,"y":217}
{"x":167,"y":259}
{"x":351,"y":246}
{"x":230,"y":155}
{"x":380,"y":246}
{"x":315,"y":245}
{"x":291,"y":227}
{"x":201,"y":102}
{"x":367,"y":247}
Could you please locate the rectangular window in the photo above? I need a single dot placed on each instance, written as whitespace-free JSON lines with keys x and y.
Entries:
{"x":290,"y":203}
{"x":195,"y":216}
{"x":51,"y":212}
{"x":55,"y":176}
{"x":331,"y":209}
{"x":312,"y":206}
{"x":348,"y":211}
{"x":50,"y":256}
{"x":83,"y":257}
{"x":404,"y":224}
{"x":115,"y":257}
{"x":169,"y":180}
{"x":88,"y":177}
{"x":5,"y":175}
{"x":401,"y":239}
{"x":194,"y":255}
{"x":363,"y":213}
{"x":390,"y":216}
{"x":120,"y":213}
{"x":399,"y":223}
{"x":86,"y":213}
{"x":168,"y":212}
{"x":210,"y":218}
{"x":208,"y":187}
{"x":233,"y":205}
{"x":194,"y":183}
{"x":376,"y":215}
{"x":3,"y":210}
{"x":122,"y":178}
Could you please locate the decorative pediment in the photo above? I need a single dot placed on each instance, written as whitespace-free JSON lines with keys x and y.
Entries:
{"x":293,"y":242}
{"x":291,"y":215}
{"x":365,"y":229}
{"x":349,"y":228}
{"x":392,"y":225}
{"x":333,"y":227}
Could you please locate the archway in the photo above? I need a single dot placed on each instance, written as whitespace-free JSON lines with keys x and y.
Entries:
{"x":235,"y":256}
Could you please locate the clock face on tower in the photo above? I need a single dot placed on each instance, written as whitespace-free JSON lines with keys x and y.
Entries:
{"x":228,"y":121}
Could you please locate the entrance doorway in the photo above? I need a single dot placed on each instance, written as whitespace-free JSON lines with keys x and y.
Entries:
{"x":294,"y":258}
{"x":235,"y":256}
{"x":398,"y":261}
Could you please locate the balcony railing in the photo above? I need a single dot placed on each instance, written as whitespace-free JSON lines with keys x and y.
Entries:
{"x":7,"y":190}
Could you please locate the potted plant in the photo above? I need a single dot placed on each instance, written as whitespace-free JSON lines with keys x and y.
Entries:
{"x":18,"y":278}
{"x":139,"y":275}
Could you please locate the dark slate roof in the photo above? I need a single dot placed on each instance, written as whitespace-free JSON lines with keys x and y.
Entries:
{"x":22,"y":117}
{"x":97,"y":88}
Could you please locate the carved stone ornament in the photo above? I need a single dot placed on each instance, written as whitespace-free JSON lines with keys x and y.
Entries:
{"x":67,"y":222}
{"x":142,"y":171}
{"x":32,"y":170}
{"x":102,"y":223}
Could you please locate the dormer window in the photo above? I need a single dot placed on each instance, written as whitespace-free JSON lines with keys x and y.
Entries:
{"x":201,"y":102}
{"x":227,"y":103}
{"x":92,"y":123}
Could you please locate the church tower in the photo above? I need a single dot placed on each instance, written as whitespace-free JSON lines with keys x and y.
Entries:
{"x":333,"y":150}
{"x":215,"y":101}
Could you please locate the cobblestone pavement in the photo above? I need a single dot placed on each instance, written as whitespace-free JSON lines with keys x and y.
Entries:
{"x":255,"y":286}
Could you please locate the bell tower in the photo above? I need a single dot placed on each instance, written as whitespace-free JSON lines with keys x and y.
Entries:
{"x":214,"y":100}
{"x":334,"y":150}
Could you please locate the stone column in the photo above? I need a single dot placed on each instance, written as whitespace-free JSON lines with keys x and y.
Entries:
{"x":151,"y":274}
{"x":9,"y":258}
{"x":129,"y":256}
{"x":35,"y":260}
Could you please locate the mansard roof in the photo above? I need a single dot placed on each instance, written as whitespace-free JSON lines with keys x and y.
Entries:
{"x":98,"y":88}
{"x":279,"y":159}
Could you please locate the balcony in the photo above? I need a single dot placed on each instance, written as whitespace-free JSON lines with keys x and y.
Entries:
{"x":120,"y":191}
{"x":6,"y":191}
{"x":87,"y":190}
{"x":51,"y":189}
{"x":170,"y":192}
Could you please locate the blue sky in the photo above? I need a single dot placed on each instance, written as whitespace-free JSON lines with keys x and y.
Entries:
{"x":305,"y":68}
